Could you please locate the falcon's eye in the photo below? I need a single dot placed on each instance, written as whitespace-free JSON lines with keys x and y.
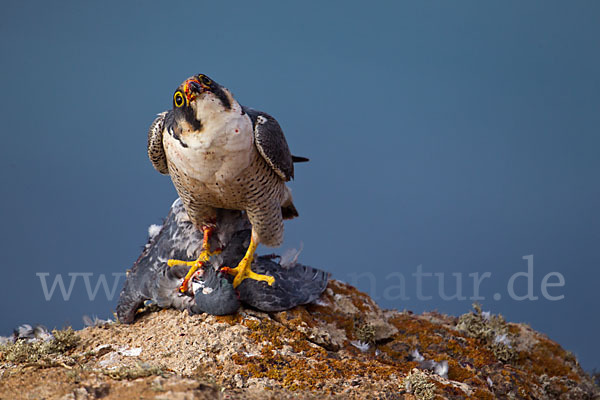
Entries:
{"x":205,"y":80}
{"x":178,"y":99}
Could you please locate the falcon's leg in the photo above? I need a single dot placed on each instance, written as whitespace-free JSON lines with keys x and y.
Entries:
{"x":199,"y":263}
{"x":243,"y":271}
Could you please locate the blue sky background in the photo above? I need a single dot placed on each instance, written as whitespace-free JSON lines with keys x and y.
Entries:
{"x":459,"y":136}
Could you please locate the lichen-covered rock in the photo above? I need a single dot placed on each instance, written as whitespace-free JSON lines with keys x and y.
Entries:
{"x":342,"y":346}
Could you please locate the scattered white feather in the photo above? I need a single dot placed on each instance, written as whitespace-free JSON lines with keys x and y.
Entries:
{"x":87,"y":321}
{"x":502,"y":339}
{"x":95,"y":321}
{"x":441,"y":369}
{"x":136,"y":351}
{"x":486,"y":315}
{"x":207,"y":290}
{"x":32,"y":334}
{"x":362,"y":346}
{"x":25,"y":330}
{"x":417,"y":356}
{"x":153,"y":230}
{"x":489,"y":381}
{"x":44,"y":335}
{"x":321,"y":302}
{"x":101,"y":347}
{"x":290,"y":257}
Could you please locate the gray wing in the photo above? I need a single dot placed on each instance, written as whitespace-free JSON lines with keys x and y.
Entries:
{"x":271,"y":143}
{"x":156,"y":152}
{"x":293,"y":286}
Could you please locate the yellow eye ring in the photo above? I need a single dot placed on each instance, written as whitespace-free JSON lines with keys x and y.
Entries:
{"x":178,"y":99}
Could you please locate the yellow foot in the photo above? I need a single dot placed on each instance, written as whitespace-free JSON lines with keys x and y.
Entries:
{"x":204,"y":256}
{"x":243,"y":271}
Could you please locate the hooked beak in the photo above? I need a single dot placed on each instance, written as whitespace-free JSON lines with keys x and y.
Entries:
{"x":192,"y":88}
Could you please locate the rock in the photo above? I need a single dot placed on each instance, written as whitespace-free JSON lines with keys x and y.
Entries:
{"x":307,"y":352}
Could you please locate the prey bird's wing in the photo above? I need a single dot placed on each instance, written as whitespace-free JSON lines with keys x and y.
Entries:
{"x":156,"y":152}
{"x":271,"y":143}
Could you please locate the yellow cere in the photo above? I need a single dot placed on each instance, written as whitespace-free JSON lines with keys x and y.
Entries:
{"x":204,"y":79}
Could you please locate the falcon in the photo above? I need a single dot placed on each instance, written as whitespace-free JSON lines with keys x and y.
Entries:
{"x":221,"y":154}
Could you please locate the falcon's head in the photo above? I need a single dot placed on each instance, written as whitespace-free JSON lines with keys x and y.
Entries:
{"x":199,"y":98}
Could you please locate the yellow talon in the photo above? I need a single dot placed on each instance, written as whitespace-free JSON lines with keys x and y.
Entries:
{"x":243,"y":271}
{"x":204,"y":256}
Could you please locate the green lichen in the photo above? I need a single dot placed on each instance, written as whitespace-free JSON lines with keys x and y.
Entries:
{"x":75,"y":375}
{"x":419,"y":385}
{"x":140,"y":370}
{"x":22,"y":352}
{"x":365,"y":333}
{"x":64,"y":340}
{"x":489,"y":330}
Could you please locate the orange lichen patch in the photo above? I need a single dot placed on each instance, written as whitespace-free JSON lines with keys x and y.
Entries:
{"x":519,"y":381}
{"x":232,"y":319}
{"x":467,"y":357}
{"x":396,"y":352}
{"x":308,"y":373}
{"x":277,"y":335}
{"x":513,"y":328}
{"x":431,"y":339}
{"x":296,"y":317}
{"x":342,"y":322}
{"x":261,"y":331}
{"x":547,"y":357}
{"x":318,"y":315}
{"x":482,"y":394}
{"x":449,"y":391}
{"x":314,"y":366}
{"x":457,"y":373}
{"x":288,"y":357}
{"x":323,"y":315}
{"x":414,"y":327}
